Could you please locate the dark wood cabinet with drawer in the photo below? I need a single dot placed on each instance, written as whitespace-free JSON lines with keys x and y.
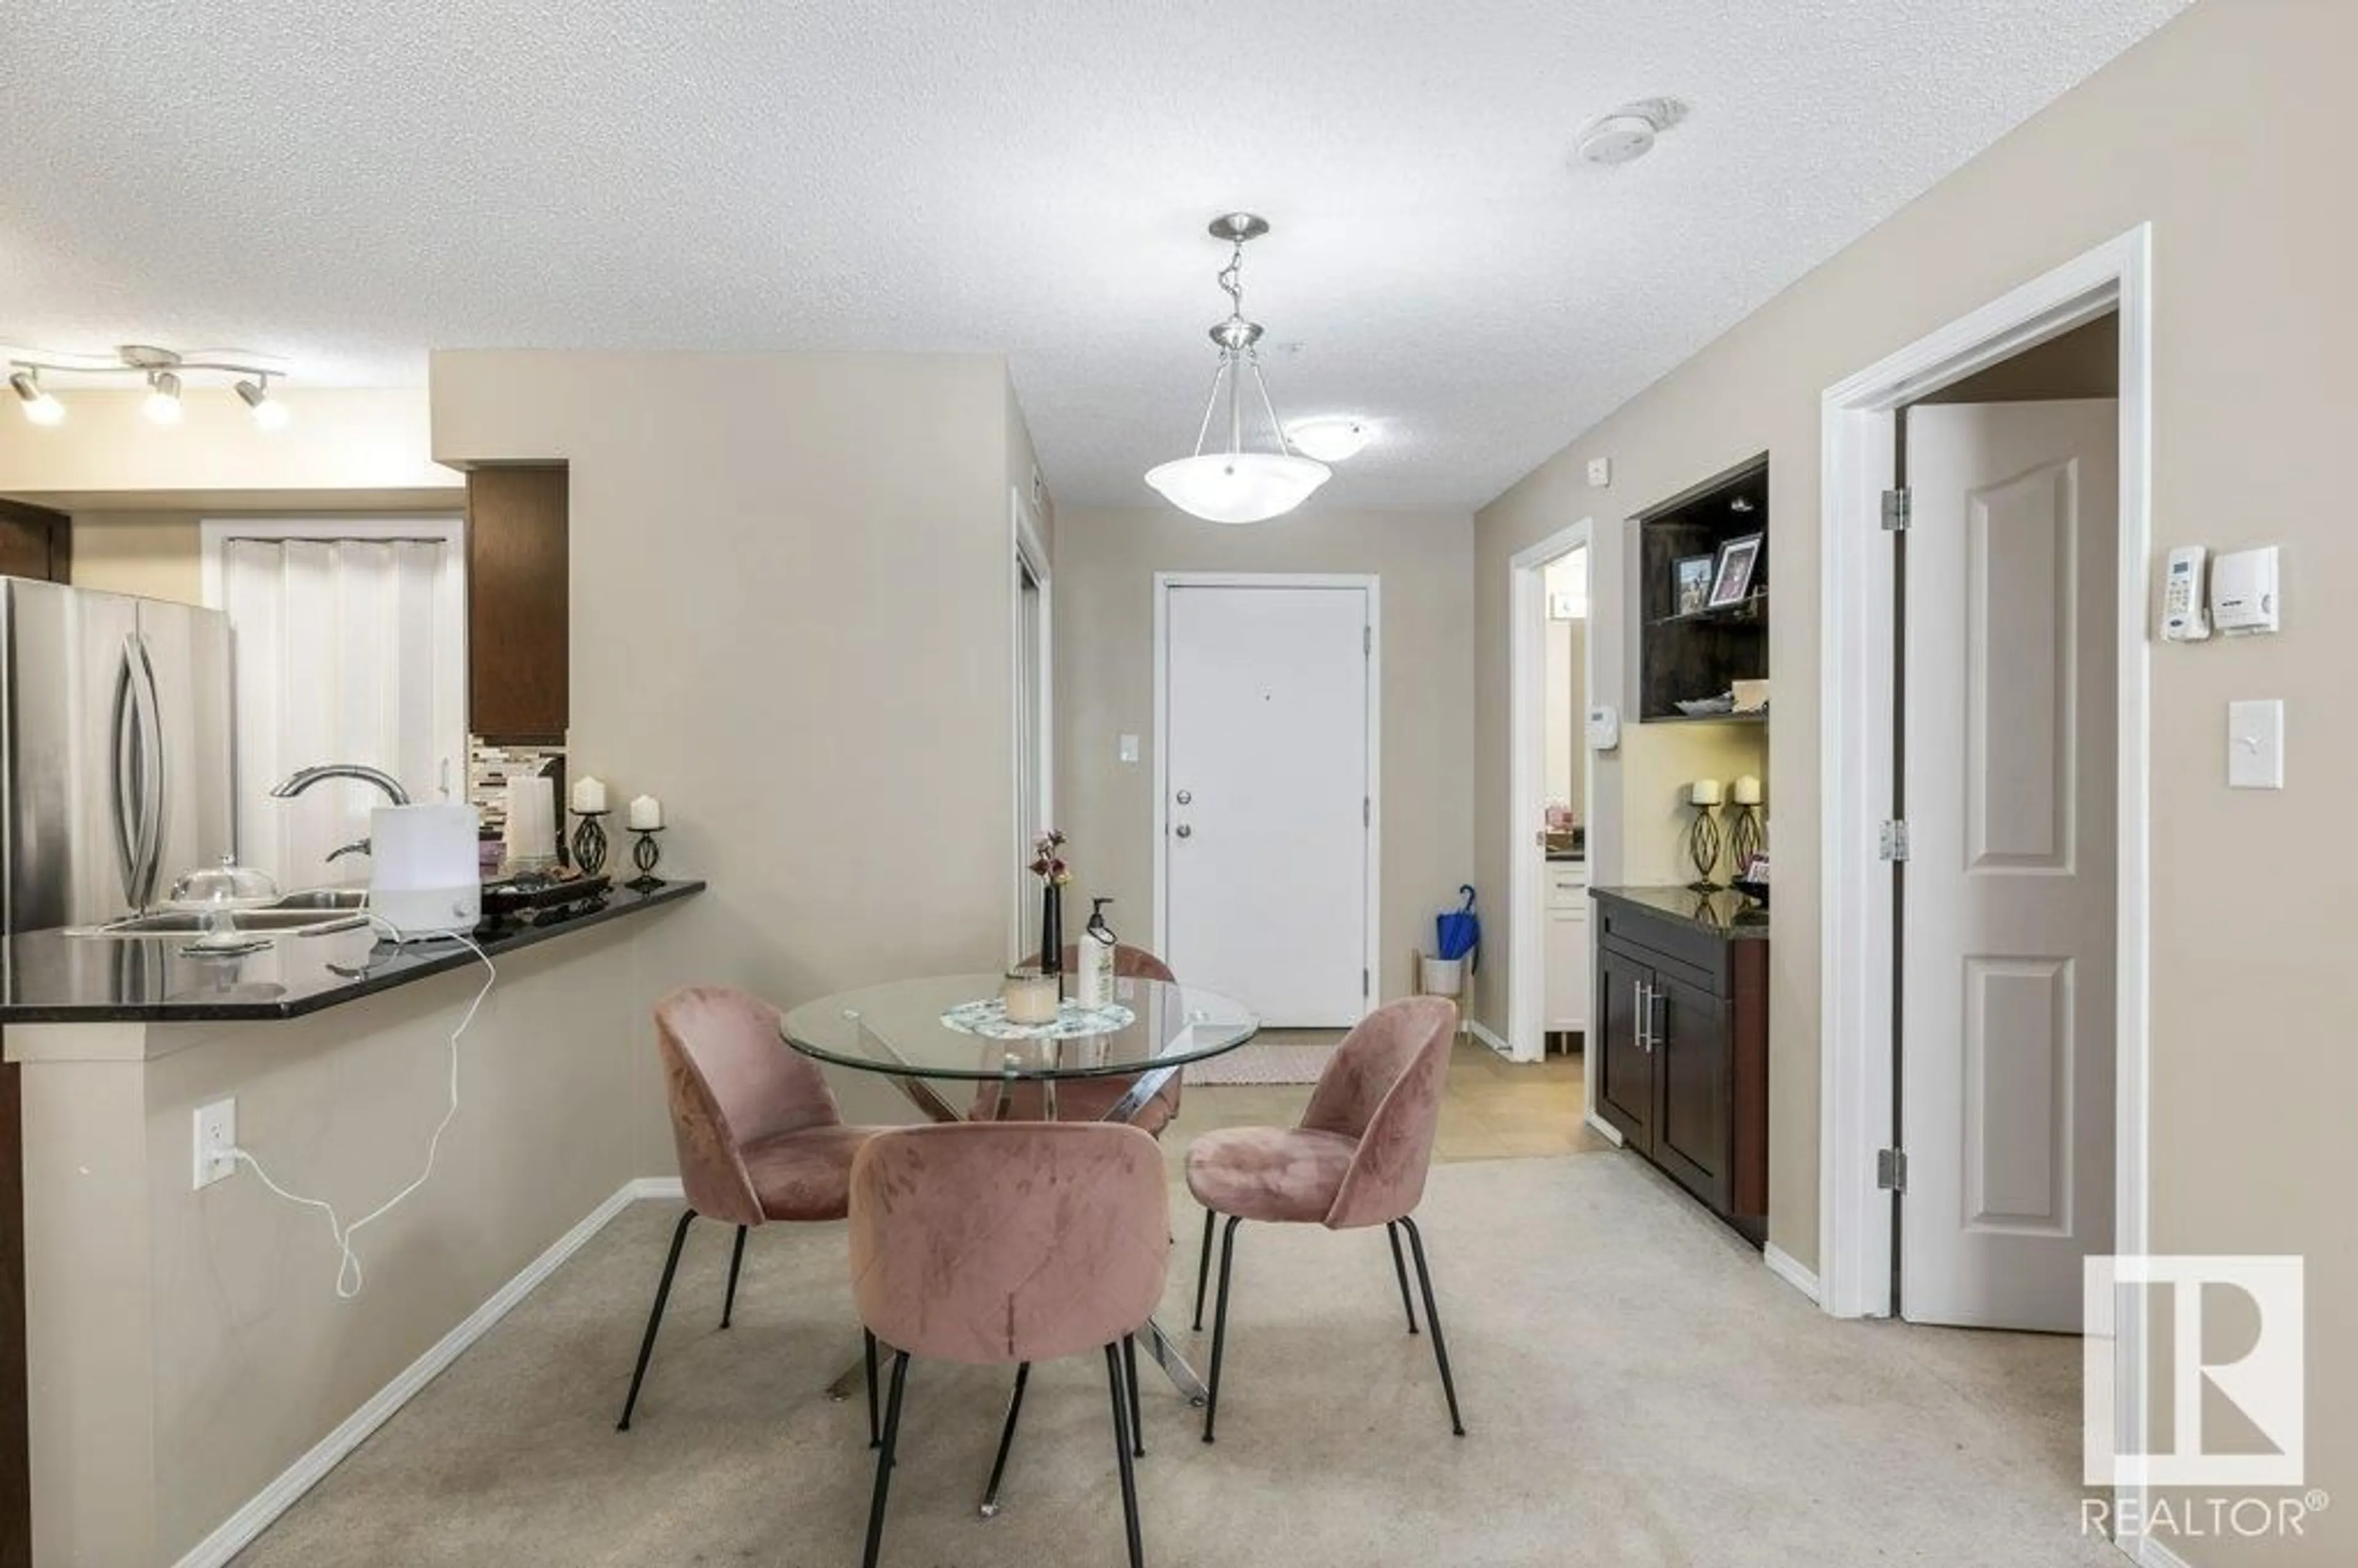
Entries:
{"x":1682,"y":1036}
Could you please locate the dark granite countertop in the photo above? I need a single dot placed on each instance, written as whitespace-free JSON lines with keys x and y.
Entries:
{"x":47,"y":977}
{"x":1726,"y":914}
{"x":1559,"y":857}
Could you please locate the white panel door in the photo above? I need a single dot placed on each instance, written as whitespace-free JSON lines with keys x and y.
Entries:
{"x":2007,"y":913}
{"x":1267,"y":767}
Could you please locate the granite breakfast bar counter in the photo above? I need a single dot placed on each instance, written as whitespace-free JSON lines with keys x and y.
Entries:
{"x":189,"y":1356}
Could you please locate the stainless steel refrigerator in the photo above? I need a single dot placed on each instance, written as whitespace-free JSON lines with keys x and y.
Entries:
{"x":115,"y":734}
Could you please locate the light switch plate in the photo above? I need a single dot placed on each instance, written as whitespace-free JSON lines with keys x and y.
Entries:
{"x":1129,"y":748}
{"x":216,"y":1136}
{"x":2256,"y":745}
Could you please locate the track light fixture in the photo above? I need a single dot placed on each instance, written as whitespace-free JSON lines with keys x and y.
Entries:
{"x":163,"y":370}
{"x":40,"y":406}
{"x":163,"y":405}
{"x":268,"y":411}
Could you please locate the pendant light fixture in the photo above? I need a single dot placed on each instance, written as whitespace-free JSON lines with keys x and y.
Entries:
{"x":1238,"y":486}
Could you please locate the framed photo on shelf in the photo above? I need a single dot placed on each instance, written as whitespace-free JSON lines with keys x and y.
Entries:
{"x":1690,"y":577}
{"x":1732,"y":583}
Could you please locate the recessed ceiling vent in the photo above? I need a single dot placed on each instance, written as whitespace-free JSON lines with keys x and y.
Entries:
{"x":1628,"y":133}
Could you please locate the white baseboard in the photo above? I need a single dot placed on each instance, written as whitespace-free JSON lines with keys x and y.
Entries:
{"x":1783,"y":1264}
{"x":1604,"y":1130}
{"x":1490,"y":1037}
{"x":239,"y":1529}
{"x":2152,"y":1553}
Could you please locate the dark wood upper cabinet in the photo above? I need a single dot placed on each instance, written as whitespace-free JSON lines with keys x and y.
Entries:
{"x":1689,"y":649}
{"x":35,"y":543}
{"x":517,"y":610}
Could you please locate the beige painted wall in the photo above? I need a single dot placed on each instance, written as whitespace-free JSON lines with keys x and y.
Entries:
{"x":155,"y":554}
{"x":791,"y":620}
{"x":2250,"y":1082}
{"x":188,"y":1346}
{"x":1104,"y":583}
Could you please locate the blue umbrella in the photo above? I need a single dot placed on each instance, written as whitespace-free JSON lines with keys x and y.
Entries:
{"x":1458,"y":932}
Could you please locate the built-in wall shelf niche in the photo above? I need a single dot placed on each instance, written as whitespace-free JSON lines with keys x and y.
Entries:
{"x":1703,"y":598}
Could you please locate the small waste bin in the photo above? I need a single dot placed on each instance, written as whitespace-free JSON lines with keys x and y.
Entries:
{"x":1443,"y":976}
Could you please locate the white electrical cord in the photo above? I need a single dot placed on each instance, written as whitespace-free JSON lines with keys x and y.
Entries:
{"x":348,"y":1264}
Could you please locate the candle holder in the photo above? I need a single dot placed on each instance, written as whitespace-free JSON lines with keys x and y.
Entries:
{"x":645,"y":854}
{"x":1745,"y":836}
{"x":590,"y":843}
{"x":1702,"y":843}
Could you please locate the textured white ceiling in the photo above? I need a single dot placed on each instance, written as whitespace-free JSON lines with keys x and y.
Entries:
{"x":348,"y":183}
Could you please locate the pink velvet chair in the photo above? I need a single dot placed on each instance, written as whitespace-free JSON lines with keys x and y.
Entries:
{"x":758,"y":1133}
{"x":1356,"y":1159}
{"x":1090,"y":1099}
{"x":1010,"y":1241}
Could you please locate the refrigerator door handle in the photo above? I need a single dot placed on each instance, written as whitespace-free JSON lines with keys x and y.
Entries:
{"x":122,"y":745}
{"x":151,"y":771}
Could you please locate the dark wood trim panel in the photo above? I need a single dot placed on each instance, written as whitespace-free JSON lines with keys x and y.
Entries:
{"x":35,"y":542}
{"x":518,"y":608}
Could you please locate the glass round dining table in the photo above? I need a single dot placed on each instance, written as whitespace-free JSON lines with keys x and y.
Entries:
{"x":947,"y":1029}
{"x":920,"y":1032}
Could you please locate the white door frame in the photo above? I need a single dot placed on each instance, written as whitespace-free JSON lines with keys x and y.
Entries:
{"x":1163,"y":583}
{"x":1527,"y":784}
{"x":1027,"y":553}
{"x":1855,"y":662}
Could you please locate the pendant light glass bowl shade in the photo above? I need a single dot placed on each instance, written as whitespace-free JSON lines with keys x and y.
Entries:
{"x":1238,"y":487}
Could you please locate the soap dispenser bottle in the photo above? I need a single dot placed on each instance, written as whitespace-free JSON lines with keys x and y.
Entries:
{"x":1094,"y":987}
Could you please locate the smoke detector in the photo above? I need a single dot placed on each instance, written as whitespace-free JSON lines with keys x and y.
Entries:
{"x":1628,"y":133}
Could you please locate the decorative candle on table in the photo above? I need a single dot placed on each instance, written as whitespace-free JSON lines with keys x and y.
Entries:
{"x":589,"y":838}
{"x":1030,"y":998}
{"x":1743,"y":831}
{"x":646,"y":821}
{"x":1702,"y":834}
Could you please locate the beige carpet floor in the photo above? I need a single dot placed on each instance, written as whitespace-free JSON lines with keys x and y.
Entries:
{"x":1640,"y":1393}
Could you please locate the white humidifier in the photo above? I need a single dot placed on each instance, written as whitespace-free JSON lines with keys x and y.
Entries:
{"x":428,"y":878}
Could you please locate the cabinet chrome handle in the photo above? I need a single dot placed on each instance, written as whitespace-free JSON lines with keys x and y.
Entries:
{"x":1644,"y":995}
{"x":1658,"y":1003}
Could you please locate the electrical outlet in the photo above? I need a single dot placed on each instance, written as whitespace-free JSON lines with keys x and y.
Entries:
{"x":1600,"y":473}
{"x":216,"y":1136}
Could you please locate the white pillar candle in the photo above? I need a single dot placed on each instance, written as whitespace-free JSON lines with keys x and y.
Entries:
{"x":646,"y":811}
{"x":532,"y":818}
{"x":1031,"y":997}
{"x":1703,"y":791}
{"x":589,"y":794}
{"x":1744,"y":791}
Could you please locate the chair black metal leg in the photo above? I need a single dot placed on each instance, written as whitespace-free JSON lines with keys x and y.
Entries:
{"x":1006,"y":1440}
{"x":1433,"y":1318}
{"x":1400,"y":1271}
{"x":884,"y":1458}
{"x":1203,"y":1270}
{"x":1121,"y":1446}
{"x":1220,"y":1326}
{"x":1129,"y":1373}
{"x":868,"y":1339}
{"x":736,"y":1261}
{"x":655,"y":1321}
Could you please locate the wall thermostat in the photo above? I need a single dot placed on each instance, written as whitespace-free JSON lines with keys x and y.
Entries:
{"x":1604,"y":728}
{"x":2244,"y":591}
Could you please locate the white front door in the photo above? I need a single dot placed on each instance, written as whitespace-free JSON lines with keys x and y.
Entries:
{"x":2007,"y":907}
{"x":1267,"y":771}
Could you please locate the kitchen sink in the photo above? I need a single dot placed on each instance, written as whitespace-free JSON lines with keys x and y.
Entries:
{"x":324,"y":898}
{"x":313,"y":911}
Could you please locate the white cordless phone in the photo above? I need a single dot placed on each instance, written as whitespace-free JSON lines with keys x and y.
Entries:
{"x":2185,"y":614}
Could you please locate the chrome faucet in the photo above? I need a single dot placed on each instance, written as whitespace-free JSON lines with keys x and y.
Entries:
{"x":294,"y":783}
{"x":304,"y":778}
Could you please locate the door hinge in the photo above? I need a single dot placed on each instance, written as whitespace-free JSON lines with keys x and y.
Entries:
{"x":1892,"y":840}
{"x":1366,"y":811}
{"x":1891,"y":1170}
{"x":1899,"y":510}
{"x":1367,"y":982}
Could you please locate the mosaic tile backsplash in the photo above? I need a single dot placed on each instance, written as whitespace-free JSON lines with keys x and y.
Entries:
{"x":490,"y":767}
